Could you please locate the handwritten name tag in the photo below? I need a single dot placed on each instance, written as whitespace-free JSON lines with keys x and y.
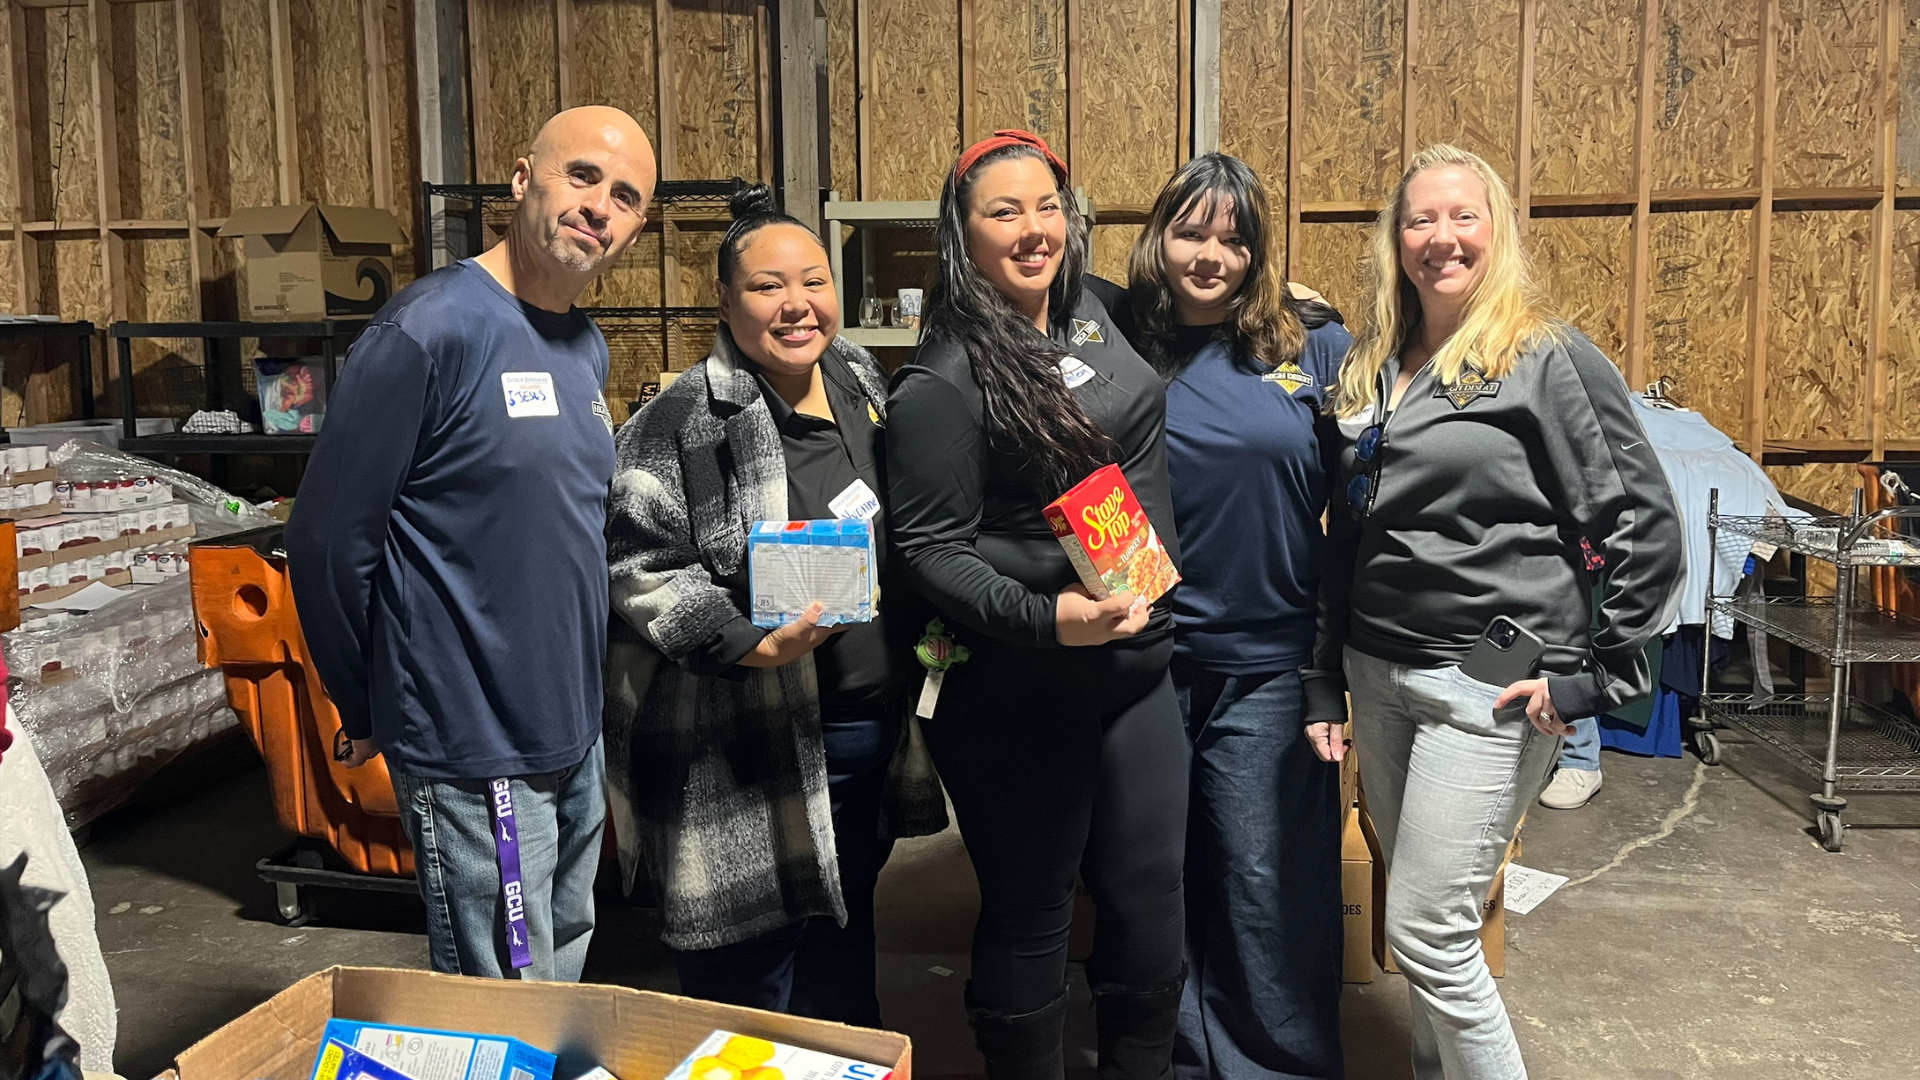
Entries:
{"x":858,"y":502}
{"x":529,"y":393}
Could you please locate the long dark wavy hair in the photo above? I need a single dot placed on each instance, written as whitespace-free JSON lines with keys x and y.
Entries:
{"x":1016,"y":367}
{"x":1263,"y":322}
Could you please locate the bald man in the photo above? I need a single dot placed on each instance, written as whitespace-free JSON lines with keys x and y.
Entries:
{"x":449,"y":565}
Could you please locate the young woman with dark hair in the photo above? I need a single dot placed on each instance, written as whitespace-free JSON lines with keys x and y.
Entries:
{"x":1059,"y":739}
{"x":761,"y":776}
{"x":1246,"y":384}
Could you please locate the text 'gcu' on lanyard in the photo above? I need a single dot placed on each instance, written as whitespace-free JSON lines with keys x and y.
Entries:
{"x":506,"y":842}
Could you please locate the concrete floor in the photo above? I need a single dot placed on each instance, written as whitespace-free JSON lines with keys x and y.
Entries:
{"x":1705,"y":934}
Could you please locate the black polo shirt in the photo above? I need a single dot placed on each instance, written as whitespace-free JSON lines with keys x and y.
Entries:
{"x":825,"y":458}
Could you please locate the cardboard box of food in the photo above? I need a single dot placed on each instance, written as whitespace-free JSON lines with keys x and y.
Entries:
{"x":418,"y":1053}
{"x":792,"y":565}
{"x":1108,"y":538}
{"x":308,"y":261}
{"x":1356,"y":902}
{"x":1493,"y":913}
{"x":728,"y":1055}
{"x":634,"y":1034}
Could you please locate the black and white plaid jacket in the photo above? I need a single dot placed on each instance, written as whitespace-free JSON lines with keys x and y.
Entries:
{"x":719,"y":786}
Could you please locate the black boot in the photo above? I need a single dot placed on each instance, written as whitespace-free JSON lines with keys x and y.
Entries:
{"x":1134,"y":1027}
{"x":1020,"y":1046}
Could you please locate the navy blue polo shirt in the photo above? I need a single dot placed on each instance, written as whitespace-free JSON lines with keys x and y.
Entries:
{"x":1248,"y":492}
{"x":448,"y":549}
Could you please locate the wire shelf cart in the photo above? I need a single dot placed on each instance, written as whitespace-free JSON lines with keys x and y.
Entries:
{"x":1843,"y":743}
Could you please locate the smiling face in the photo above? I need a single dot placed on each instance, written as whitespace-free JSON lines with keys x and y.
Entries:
{"x":1207,"y":260}
{"x":1446,"y":230}
{"x":781,"y":305}
{"x":584,"y":186}
{"x":1016,"y":230}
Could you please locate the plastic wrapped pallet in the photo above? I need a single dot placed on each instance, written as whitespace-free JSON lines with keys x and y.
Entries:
{"x":113,"y":695}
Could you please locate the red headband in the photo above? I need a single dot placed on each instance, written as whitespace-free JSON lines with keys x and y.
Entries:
{"x":971,"y":155}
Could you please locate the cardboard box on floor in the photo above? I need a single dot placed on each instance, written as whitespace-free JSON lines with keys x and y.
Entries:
{"x":1493,"y":913}
{"x":634,"y":1034}
{"x":1356,"y":900}
{"x":307,"y":261}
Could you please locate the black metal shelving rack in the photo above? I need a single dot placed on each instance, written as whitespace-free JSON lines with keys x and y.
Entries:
{"x":332,"y":334}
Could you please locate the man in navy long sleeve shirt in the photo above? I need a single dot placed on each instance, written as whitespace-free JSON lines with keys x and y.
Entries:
{"x":449,"y":561}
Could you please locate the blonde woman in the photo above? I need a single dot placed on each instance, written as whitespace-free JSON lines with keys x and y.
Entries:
{"x":1480,"y":441}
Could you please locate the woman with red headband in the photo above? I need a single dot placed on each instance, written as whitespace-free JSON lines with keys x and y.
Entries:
{"x":1059,"y":737}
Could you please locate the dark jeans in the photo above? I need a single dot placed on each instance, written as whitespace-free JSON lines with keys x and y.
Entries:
{"x":1065,"y":763}
{"x":1264,"y":927}
{"x":816,"y":967}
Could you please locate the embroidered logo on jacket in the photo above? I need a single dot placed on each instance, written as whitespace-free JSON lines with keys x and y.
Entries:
{"x":1085,"y":330}
{"x":1470,"y":388}
{"x":1289,"y":377}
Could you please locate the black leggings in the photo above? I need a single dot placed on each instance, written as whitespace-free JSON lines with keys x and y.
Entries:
{"x":1065,"y":762}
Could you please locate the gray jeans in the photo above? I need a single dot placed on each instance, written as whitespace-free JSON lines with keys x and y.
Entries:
{"x":1447,"y":777}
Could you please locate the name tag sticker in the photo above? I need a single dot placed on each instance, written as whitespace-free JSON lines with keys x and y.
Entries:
{"x":857,"y":503}
{"x":1075,"y":371}
{"x":529,"y":393}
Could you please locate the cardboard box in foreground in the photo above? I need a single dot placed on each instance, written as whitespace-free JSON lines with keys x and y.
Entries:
{"x":635,"y":1034}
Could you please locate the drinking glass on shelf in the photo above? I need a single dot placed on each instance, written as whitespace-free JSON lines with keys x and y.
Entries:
{"x":890,"y":312}
{"x":870,"y":312}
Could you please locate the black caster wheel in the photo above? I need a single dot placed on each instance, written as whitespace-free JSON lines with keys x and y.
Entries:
{"x":1832,"y":832}
{"x":1707,"y":745}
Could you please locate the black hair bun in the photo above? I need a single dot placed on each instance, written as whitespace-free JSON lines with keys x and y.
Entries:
{"x":752,"y":201}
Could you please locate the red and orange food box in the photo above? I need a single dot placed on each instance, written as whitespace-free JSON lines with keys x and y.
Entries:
{"x":1109,"y":540}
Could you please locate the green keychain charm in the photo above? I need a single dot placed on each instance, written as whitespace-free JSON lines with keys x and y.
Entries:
{"x":936,"y":652}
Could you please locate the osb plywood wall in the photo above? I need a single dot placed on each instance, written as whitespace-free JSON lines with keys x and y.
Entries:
{"x":131,"y":131}
{"x":1724,"y":192}
{"x":1718,"y":193}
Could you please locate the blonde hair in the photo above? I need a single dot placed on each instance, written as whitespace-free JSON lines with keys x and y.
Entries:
{"x":1505,"y":313}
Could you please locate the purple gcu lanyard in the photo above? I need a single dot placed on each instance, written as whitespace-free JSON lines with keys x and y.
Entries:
{"x":506,"y":841}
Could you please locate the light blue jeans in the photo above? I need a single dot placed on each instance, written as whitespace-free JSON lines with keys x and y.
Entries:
{"x":1581,"y":750}
{"x":450,"y":823}
{"x":1446,"y":777}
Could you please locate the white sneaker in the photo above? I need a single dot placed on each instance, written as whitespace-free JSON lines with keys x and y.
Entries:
{"x":1571,"y":789}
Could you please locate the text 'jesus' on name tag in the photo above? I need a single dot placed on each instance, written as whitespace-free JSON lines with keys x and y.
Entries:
{"x":529,"y":393}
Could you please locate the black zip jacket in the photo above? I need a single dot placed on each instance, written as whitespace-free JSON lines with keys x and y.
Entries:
{"x":1485,"y":489}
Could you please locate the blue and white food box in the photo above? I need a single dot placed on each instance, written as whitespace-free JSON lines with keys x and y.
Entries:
{"x":793,"y":564}
{"x":338,"y":1061}
{"x":426,"y":1054}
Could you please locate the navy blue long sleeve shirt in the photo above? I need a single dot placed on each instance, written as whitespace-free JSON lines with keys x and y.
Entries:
{"x":447,"y":550}
{"x":1248,"y":490}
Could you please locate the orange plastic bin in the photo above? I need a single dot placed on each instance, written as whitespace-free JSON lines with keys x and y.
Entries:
{"x":243,"y":609}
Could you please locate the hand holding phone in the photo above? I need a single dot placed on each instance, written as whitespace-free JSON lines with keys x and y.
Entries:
{"x":1508,"y":655}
